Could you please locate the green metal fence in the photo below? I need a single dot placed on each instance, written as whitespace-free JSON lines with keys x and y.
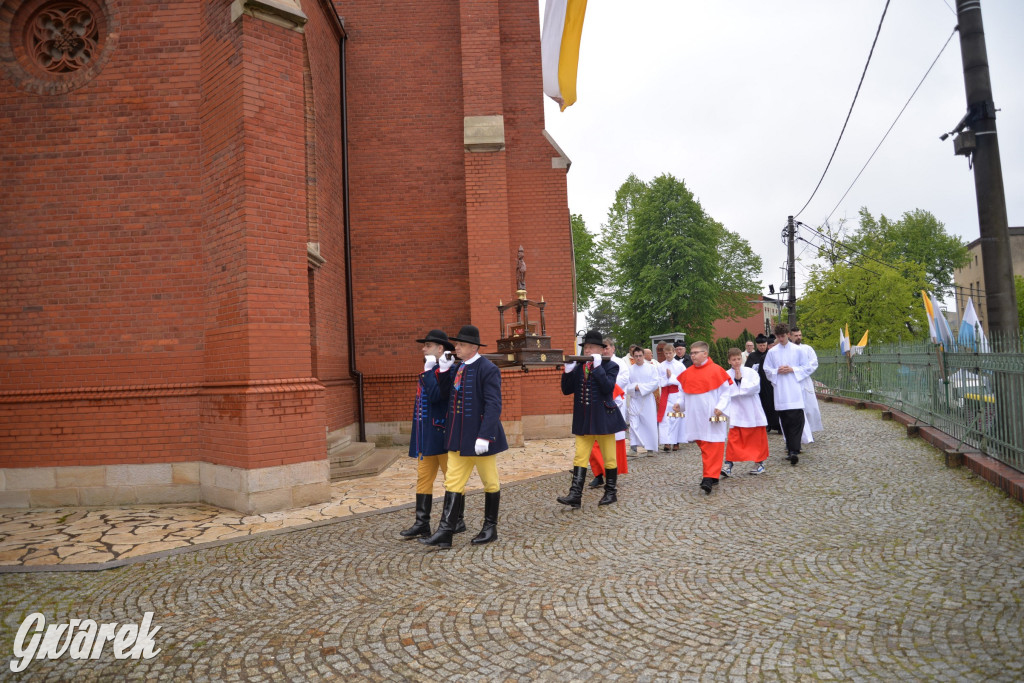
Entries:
{"x":977,"y":398}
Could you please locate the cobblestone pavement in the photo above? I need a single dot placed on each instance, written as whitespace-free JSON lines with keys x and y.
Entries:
{"x":869,"y":560}
{"x":96,"y":536}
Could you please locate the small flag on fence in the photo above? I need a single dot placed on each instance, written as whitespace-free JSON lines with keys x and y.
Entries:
{"x":560,"y":48}
{"x":971,"y":334}
{"x":859,"y":348}
{"x":943,"y":334}
{"x":930,"y":315}
{"x":844,"y":342}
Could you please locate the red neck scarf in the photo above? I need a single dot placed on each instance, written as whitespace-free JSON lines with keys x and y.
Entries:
{"x":700,"y":380}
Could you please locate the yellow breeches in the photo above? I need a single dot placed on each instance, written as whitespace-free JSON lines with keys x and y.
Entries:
{"x":426,"y":471}
{"x":460,"y":467}
{"x":585,"y":444}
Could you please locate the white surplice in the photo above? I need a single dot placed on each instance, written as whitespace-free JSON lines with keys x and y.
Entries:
{"x":699,"y":407}
{"x":622,"y":379}
{"x":643,"y":408}
{"x":789,"y":394}
{"x":812,"y":413}
{"x":745,"y":401}
{"x":671,"y":430}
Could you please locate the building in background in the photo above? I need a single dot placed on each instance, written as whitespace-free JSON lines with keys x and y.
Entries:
{"x":224,"y":223}
{"x":766,"y":312}
{"x":970,"y":280}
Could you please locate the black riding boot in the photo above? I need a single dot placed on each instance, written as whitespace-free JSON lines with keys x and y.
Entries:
{"x":575,"y":497}
{"x":489,"y":532}
{"x":597,"y":482}
{"x":442,"y":538}
{"x":611,"y":478}
{"x":460,"y":521}
{"x":422,"y":525}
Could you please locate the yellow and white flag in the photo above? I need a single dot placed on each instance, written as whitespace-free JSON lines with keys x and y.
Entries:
{"x":560,"y":48}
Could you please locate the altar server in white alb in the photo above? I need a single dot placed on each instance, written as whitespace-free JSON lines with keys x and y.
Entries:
{"x":812,"y":414}
{"x":748,"y":438}
{"x":670,"y":425}
{"x":785,"y":366}
{"x":643,"y":409}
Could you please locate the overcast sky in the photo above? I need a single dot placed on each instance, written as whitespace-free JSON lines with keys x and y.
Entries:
{"x":744,"y":100}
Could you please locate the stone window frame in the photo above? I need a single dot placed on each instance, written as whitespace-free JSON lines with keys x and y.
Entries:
{"x":15,"y":56}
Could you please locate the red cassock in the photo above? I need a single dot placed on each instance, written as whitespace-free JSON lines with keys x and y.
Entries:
{"x":748,"y":444}
{"x":596,"y":459}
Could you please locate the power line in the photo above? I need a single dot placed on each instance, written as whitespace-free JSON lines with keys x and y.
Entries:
{"x":849,"y":262}
{"x":906,"y":104}
{"x":836,"y":243}
{"x":855,"y":94}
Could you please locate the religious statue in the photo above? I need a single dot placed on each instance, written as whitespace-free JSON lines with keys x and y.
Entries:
{"x":521,"y":271}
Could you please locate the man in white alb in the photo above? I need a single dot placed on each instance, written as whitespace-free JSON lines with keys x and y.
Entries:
{"x":785,"y":367}
{"x":812,"y":413}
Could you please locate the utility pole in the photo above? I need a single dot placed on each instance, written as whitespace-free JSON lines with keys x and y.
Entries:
{"x":981,"y":142}
{"x":791,"y":274}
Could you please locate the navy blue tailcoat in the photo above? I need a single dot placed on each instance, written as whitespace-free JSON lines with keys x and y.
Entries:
{"x":428,"y":416}
{"x":474,"y":408}
{"x":593,"y":410}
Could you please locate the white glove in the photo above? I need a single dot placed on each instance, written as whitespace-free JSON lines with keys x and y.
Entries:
{"x":597,"y":359}
{"x":482,"y":445}
{"x":569,"y":367}
{"x":445,"y":364}
{"x":619,"y":401}
{"x":431,"y":361}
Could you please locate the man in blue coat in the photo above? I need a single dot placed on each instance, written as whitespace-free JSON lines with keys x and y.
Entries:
{"x":426,"y":443}
{"x":473,"y":436}
{"x":595,"y":417}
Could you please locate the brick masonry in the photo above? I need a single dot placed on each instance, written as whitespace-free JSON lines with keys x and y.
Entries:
{"x":158,"y":304}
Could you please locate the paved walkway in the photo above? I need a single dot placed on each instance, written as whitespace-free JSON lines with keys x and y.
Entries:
{"x":868,"y":561}
{"x":75,"y":538}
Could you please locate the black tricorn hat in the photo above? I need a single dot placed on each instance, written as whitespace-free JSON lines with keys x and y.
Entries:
{"x":438,"y":337}
{"x":468,"y":335}
{"x":760,"y":339}
{"x":593,"y":337}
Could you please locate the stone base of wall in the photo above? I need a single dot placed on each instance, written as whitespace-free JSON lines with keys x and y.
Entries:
{"x":250,"y":491}
{"x":547,"y":426}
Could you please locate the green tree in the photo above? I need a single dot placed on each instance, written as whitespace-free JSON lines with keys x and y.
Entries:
{"x":588,"y":262}
{"x":917,"y":237}
{"x":885,"y":301}
{"x":671,"y":266}
{"x":1018,"y":283}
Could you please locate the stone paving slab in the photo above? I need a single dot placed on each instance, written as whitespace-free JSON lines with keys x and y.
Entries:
{"x":102,"y":537}
{"x":868,"y":561}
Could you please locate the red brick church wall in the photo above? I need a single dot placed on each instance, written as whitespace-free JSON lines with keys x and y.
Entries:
{"x":436,"y":228}
{"x":155,"y":299}
{"x":101,"y":250}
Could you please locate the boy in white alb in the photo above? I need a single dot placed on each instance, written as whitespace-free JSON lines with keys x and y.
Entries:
{"x":748,"y":438}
